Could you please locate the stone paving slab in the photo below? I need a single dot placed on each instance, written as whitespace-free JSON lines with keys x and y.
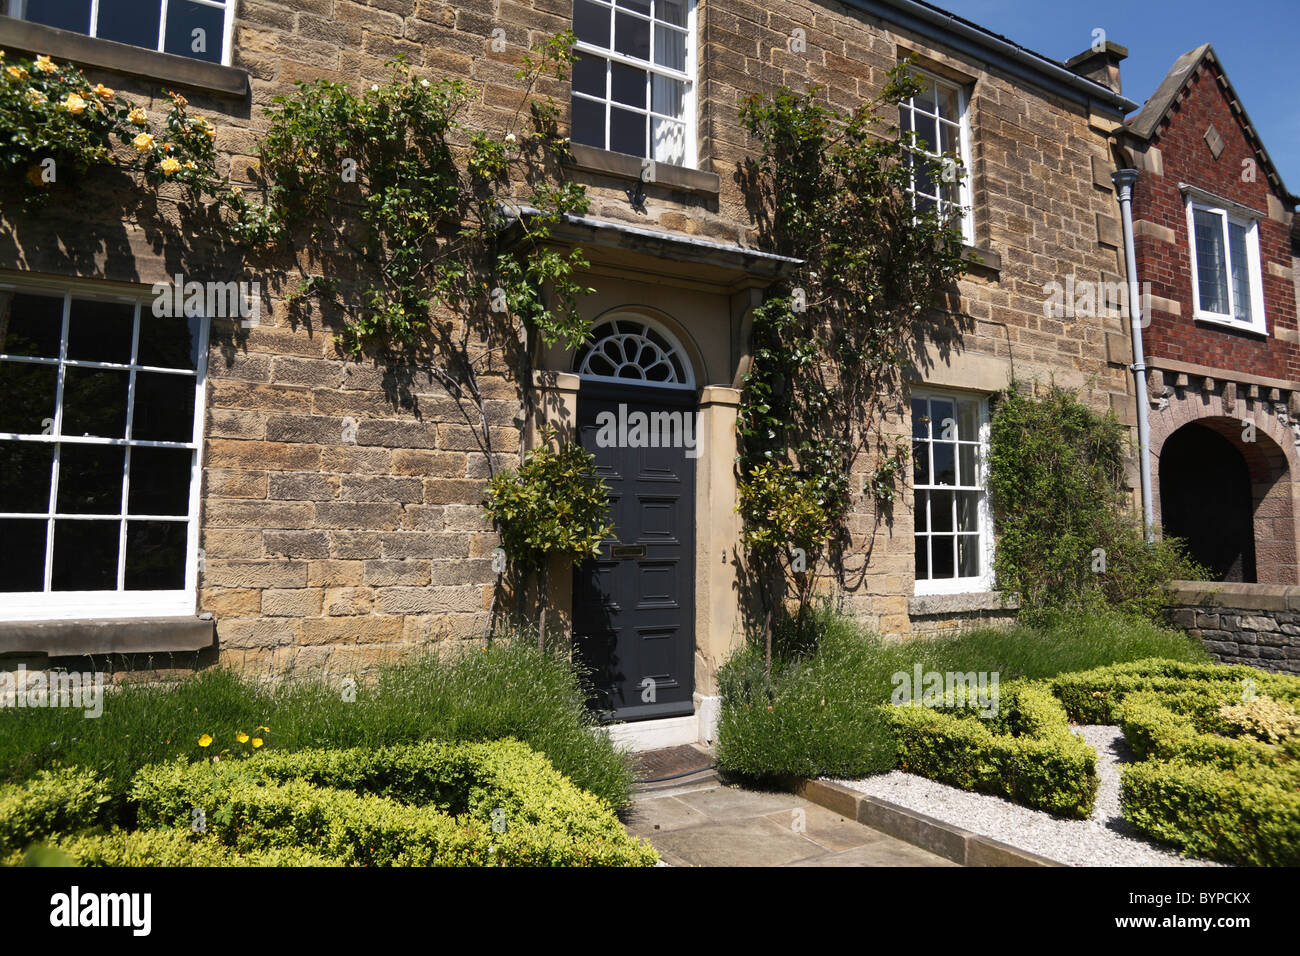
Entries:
{"x":721,"y":825}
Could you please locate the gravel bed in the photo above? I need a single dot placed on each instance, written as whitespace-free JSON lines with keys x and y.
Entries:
{"x":1104,"y":839}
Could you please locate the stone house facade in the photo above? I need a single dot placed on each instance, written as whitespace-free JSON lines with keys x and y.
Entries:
{"x":325,"y":514}
{"x":1213,"y":228}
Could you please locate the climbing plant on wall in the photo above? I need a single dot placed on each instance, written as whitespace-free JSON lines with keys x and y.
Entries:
{"x":829,"y":187}
{"x":423,"y":233}
{"x":1068,"y":537}
{"x":444,"y":226}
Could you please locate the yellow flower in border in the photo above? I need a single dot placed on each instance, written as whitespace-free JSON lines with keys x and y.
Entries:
{"x":17,"y":72}
{"x":189,"y":164}
{"x":205,"y":740}
{"x":169,"y":165}
{"x":74,"y":103}
{"x":45,"y":65}
{"x":137,"y":117}
{"x":35,"y":97}
{"x":242,"y":737}
{"x":267,"y":729}
{"x":257,"y":742}
{"x":103,"y":92}
{"x":143,"y":142}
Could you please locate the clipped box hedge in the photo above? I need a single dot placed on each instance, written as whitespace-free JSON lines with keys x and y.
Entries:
{"x":136,"y":848}
{"x":1025,"y":753}
{"x":65,"y":800}
{"x":1199,"y":784}
{"x":1247,"y":815}
{"x":430,"y":804}
{"x":1091,"y":697}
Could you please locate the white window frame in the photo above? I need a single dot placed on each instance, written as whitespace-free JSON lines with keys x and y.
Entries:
{"x":1259,"y":322}
{"x":120,"y":603}
{"x":966,"y":201}
{"x":18,"y":9}
{"x":688,"y":76}
{"x":984,"y":580}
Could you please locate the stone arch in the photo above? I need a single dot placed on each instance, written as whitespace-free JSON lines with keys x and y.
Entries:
{"x":1270,"y":462}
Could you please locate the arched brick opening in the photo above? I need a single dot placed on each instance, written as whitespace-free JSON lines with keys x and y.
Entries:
{"x":1269,"y":460}
{"x":1206,"y":499}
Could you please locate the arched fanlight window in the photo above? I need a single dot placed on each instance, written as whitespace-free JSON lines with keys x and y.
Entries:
{"x":634,"y":351}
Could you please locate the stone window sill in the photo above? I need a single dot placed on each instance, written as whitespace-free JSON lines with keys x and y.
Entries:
{"x":125,"y":636}
{"x":982,"y":258}
{"x":931,"y":604}
{"x":623,"y":166}
{"x":166,"y":68}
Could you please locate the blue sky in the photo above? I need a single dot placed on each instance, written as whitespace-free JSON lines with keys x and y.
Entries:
{"x":1258,"y":42}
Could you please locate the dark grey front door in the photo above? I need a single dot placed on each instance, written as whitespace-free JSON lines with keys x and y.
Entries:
{"x":633,"y":607}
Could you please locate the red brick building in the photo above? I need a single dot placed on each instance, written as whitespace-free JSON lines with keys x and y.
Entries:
{"x":1212,"y":230}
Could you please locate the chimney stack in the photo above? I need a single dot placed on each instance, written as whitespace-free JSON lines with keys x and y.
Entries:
{"x":1100,"y":65}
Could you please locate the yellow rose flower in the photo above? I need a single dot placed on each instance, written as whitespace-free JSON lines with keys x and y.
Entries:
{"x":17,"y":72}
{"x":74,"y":104}
{"x":143,"y":142}
{"x":35,"y":97}
{"x":45,"y":65}
{"x":205,"y":740}
{"x":257,"y":742}
{"x":242,"y":737}
{"x":169,"y":165}
{"x":103,"y":91}
{"x":189,"y":164}
{"x":137,"y":117}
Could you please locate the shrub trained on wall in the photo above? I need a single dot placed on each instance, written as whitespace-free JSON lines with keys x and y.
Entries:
{"x":1067,"y":537}
{"x":830,"y":187}
{"x":555,"y":504}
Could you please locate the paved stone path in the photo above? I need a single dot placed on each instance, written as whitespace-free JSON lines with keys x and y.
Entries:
{"x":718,"y":825}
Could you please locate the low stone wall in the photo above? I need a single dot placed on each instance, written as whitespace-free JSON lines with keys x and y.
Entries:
{"x":1256,"y":624}
{"x":934,"y":614}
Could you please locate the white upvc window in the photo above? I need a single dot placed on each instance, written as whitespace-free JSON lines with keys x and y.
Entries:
{"x":101,"y":412}
{"x":199,"y":29}
{"x":1226,"y":283}
{"x":935,"y":121}
{"x":634,"y":79}
{"x":952,"y":520}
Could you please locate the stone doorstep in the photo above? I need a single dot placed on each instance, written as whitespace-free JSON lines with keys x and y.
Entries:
{"x":936,"y":836}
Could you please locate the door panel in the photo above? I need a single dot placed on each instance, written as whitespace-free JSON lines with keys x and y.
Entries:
{"x":634,"y":611}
